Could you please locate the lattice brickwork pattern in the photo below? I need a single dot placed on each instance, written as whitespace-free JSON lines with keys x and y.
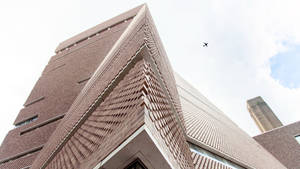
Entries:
{"x":160,"y":58}
{"x":120,"y":105}
{"x":214,"y":130}
{"x":202,"y":162}
{"x":96,"y":86}
{"x":164,"y":119}
{"x":93,"y":146}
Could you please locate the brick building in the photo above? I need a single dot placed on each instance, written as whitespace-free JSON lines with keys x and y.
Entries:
{"x":109,"y":99}
{"x":283,"y":143}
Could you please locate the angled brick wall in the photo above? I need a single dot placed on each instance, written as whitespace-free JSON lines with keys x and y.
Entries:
{"x":62,"y":79}
{"x":282,"y":144}
{"x":212,"y":129}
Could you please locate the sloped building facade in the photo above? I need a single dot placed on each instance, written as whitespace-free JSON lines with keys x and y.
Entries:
{"x":109,"y":99}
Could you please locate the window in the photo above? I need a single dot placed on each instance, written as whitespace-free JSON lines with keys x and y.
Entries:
{"x":297,"y":138}
{"x":215,"y":157}
{"x":27,"y":121}
{"x":42,"y":124}
{"x":136,"y":164}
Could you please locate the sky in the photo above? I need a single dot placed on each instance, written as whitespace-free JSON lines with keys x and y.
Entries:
{"x":284,"y":67}
{"x":253,"y":49}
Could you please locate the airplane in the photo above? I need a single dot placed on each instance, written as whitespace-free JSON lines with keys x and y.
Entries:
{"x":205,"y":44}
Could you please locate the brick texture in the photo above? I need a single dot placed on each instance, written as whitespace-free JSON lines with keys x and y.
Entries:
{"x":92,"y":92}
{"x":123,"y":105}
{"x":164,"y":122}
{"x":282,"y":144}
{"x":208,"y":125}
{"x":78,"y":121}
{"x":202,"y":162}
{"x":59,"y":87}
{"x":21,"y":162}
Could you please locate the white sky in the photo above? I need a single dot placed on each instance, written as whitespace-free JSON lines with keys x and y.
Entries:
{"x":243,"y":36}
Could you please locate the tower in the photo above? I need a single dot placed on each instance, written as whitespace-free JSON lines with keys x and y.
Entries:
{"x":262,"y":114}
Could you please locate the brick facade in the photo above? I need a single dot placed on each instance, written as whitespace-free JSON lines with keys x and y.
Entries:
{"x":282,"y":144}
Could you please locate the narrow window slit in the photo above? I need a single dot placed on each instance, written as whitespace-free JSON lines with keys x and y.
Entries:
{"x":84,"y":80}
{"x":42,"y":124}
{"x":31,"y":151}
{"x":35,"y":101}
{"x":27,"y":121}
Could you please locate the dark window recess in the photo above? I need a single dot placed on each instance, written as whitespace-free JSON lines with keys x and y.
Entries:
{"x":42,"y":124}
{"x":84,"y":80}
{"x":136,"y":164}
{"x":34,"y":101}
{"x":31,"y":151}
{"x":27,"y":121}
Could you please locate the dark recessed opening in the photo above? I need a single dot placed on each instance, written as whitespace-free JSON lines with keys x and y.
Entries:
{"x":42,"y":124}
{"x":27,"y":121}
{"x":136,"y":164}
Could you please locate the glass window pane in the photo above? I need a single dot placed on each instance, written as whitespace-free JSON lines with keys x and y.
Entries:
{"x":298,"y":138}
